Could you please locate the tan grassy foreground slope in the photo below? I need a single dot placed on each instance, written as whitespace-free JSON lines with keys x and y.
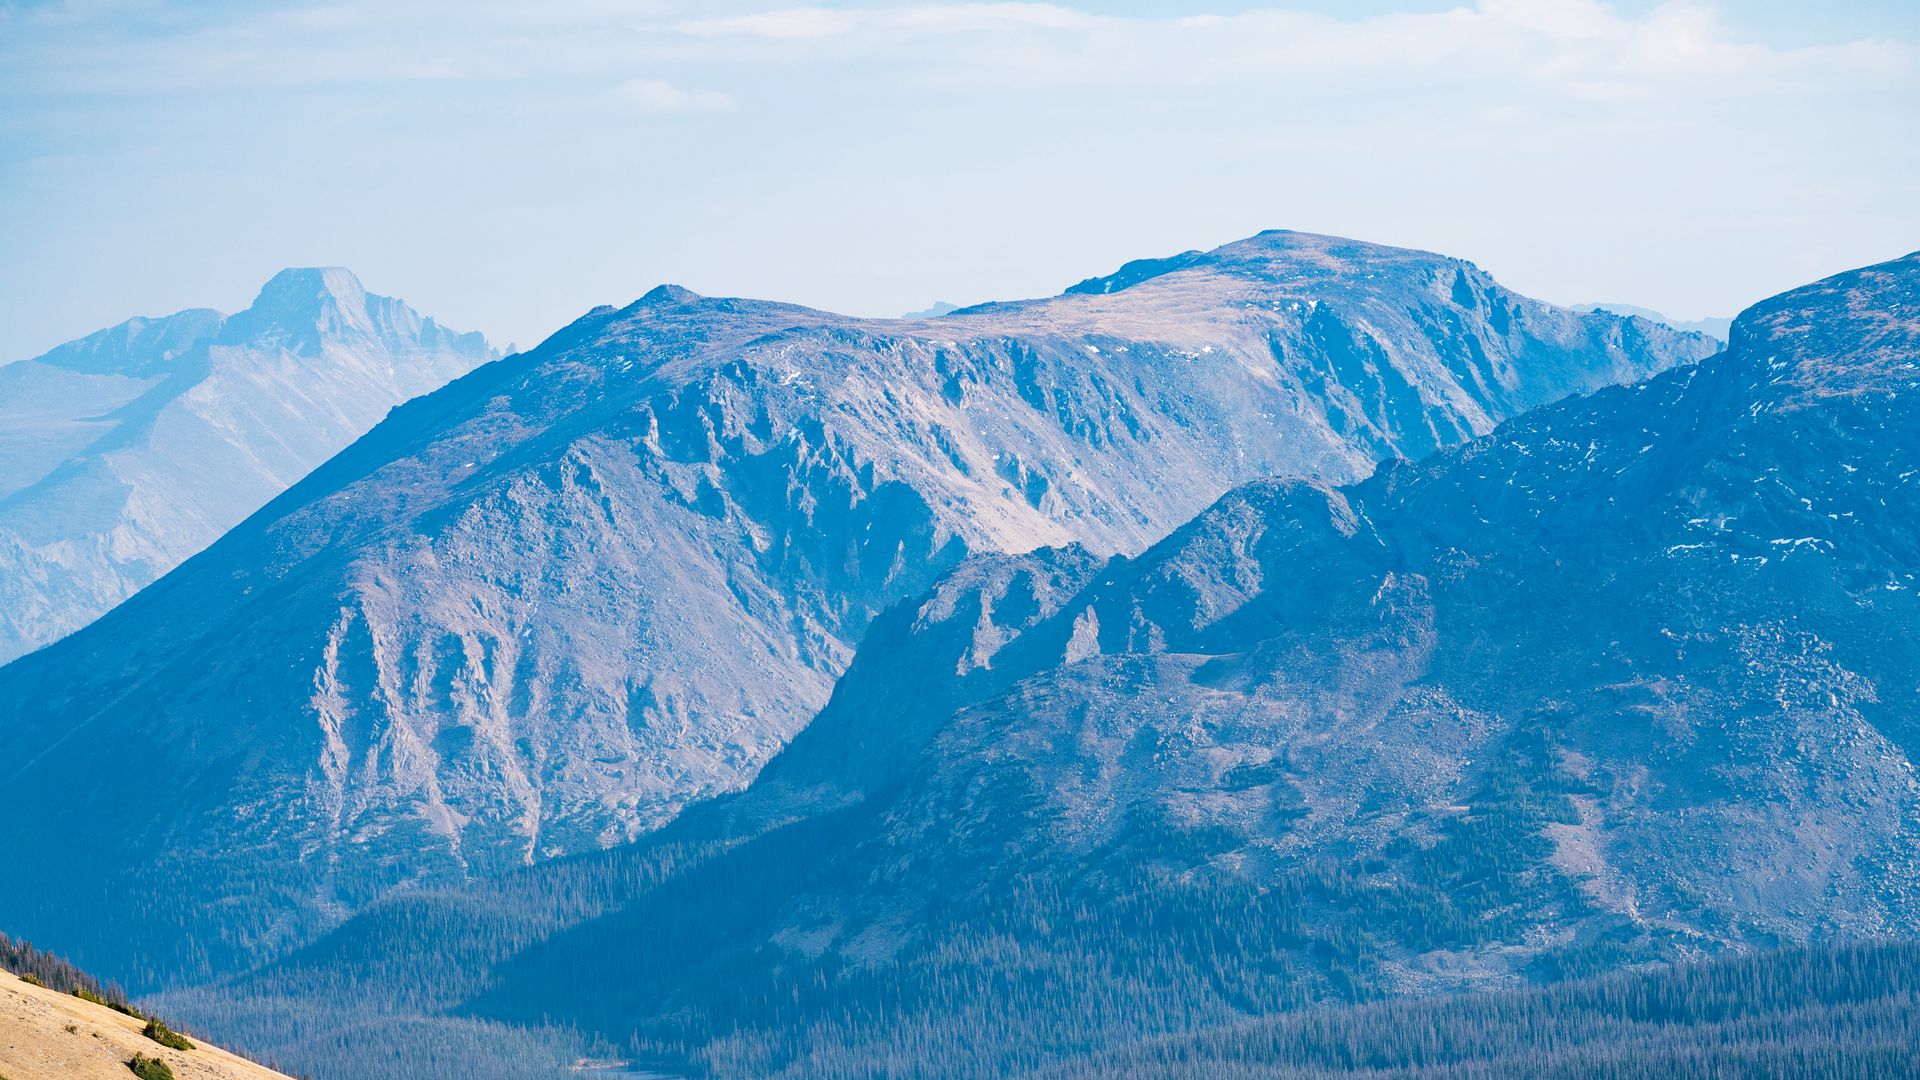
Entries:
{"x":47,"y":1035}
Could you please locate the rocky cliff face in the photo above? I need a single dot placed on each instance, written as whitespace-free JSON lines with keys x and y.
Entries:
{"x":125,"y":452}
{"x":540,"y":611}
{"x":1634,"y":677}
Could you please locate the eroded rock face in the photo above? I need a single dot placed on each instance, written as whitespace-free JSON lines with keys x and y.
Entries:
{"x":540,"y":611}
{"x":1652,"y":650}
{"x":127,"y":451}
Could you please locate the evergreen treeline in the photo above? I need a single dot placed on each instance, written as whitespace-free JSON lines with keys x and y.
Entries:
{"x":56,"y":973}
{"x":691,"y":955}
{"x":1836,"y":1011}
{"x":666,"y":953}
{"x":1840,"y":1011}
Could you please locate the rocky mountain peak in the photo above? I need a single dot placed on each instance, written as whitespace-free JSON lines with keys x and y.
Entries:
{"x":1282,"y":256}
{"x":667,"y":295}
{"x":303,"y":309}
{"x":302,"y":305}
{"x":311,"y":288}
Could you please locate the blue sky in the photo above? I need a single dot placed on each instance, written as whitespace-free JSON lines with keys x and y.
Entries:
{"x":505,"y":167}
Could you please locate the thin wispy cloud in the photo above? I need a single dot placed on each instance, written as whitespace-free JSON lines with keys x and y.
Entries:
{"x":787,"y":24}
{"x":660,"y":96}
{"x":1541,"y":42}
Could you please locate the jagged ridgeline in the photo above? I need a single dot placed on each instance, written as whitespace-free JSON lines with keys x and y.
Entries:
{"x":540,"y":611}
{"x":1633,"y":678}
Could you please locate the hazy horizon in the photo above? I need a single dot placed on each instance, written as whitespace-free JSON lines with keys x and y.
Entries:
{"x":505,"y":172}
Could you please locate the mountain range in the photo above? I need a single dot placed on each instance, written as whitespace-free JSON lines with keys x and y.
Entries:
{"x":1630,"y":679}
{"x":542,"y":610}
{"x":127,"y":451}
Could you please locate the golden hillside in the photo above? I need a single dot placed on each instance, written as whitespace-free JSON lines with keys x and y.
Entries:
{"x":47,"y":1035}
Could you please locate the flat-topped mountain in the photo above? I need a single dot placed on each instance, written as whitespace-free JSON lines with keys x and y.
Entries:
{"x":125,"y":452}
{"x":538,"y":612}
{"x":1633,"y":678}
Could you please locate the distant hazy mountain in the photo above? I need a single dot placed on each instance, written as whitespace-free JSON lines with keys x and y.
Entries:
{"x":939,"y":308}
{"x":538,"y":612}
{"x":1713,"y":328}
{"x":125,"y":452}
{"x":1636,"y":677}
